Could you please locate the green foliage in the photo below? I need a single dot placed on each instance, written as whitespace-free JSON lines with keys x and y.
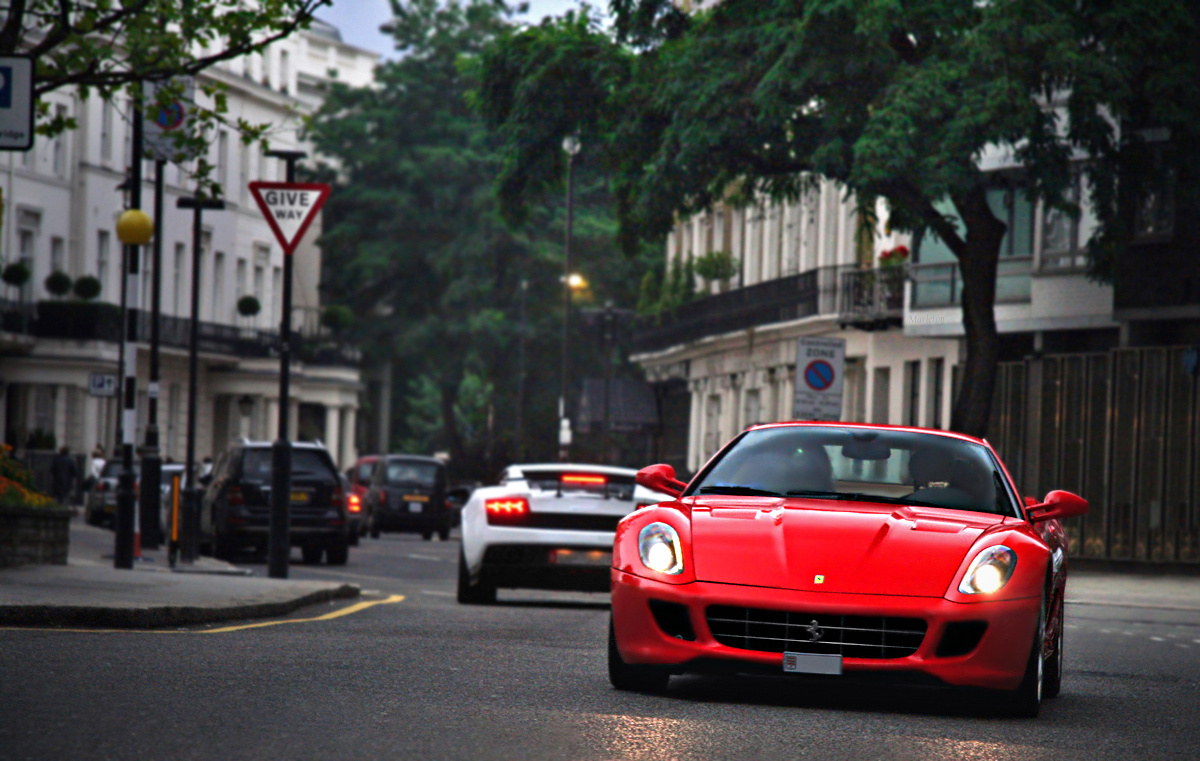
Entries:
{"x":16,"y":274}
{"x":716,"y":266}
{"x":88,"y":287}
{"x":650,"y":293}
{"x":248,"y":306}
{"x":337,"y":317}
{"x":58,"y":283}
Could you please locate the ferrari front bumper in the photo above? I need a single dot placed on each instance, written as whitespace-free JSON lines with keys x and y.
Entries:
{"x":997,"y":661}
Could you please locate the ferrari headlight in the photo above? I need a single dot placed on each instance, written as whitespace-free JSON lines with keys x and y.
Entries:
{"x":989,"y":571}
{"x":658,"y":544}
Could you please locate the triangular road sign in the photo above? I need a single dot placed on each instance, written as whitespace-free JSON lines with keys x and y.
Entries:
{"x":290,"y":208}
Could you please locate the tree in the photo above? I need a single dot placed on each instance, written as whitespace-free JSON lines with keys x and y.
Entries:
{"x":894,"y":101}
{"x":108,"y":46}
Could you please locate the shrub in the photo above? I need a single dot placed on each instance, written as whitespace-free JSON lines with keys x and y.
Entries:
{"x":88,"y":287}
{"x":716,"y":265}
{"x":337,"y":317}
{"x":58,"y":283}
{"x":16,"y":274}
{"x":16,"y":484}
{"x":248,"y":306}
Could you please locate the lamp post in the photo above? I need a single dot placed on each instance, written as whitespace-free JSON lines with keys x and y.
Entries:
{"x":151,"y":494}
{"x":191,"y":507}
{"x":571,"y":146}
{"x":279,"y":546}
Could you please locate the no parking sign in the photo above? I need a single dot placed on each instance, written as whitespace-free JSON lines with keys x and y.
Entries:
{"x":820,"y":363}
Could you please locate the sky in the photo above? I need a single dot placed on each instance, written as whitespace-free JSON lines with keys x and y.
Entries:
{"x":359,"y":20}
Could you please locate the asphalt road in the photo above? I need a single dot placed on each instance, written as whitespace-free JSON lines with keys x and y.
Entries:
{"x":423,"y":677}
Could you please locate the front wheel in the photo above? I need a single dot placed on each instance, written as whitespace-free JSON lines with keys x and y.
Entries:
{"x":311,"y":555}
{"x":444,"y":533}
{"x":1026,"y":700}
{"x":634,"y":678}
{"x":479,"y":593}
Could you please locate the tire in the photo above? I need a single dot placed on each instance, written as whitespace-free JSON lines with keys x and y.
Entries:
{"x":444,"y":533}
{"x":221,"y":547}
{"x":479,"y":593}
{"x":427,"y":535}
{"x":337,"y":555}
{"x":311,"y":555}
{"x":1052,"y":676}
{"x":374,"y":529}
{"x":1026,"y":701}
{"x":352,"y":539}
{"x":627,"y":676}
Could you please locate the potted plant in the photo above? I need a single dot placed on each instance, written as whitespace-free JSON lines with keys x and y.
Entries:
{"x":248,"y":306}
{"x":58,"y":283}
{"x":87,"y":287}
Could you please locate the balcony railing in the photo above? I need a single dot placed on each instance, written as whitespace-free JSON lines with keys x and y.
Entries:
{"x":940,"y":285}
{"x":99,"y":321}
{"x":872,"y":298}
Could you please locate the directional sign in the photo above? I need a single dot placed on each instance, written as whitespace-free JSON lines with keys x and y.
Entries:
{"x":820,"y":363}
{"x":161,"y":122}
{"x":102,"y":384}
{"x":16,"y":103}
{"x":290,"y":208}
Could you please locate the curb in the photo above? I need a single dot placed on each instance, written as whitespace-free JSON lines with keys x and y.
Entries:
{"x":161,"y":616}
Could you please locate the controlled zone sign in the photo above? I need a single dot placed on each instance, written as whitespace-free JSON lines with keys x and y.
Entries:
{"x":162,"y":122}
{"x":820,"y":363}
{"x":290,"y":208}
{"x":16,"y":103}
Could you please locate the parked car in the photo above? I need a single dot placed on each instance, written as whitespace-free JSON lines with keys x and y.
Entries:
{"x":100,"y":503}
{"x":545,"y":526}
{"x":359,"y":476}
{"x":408,"y":493}
{"x":236,"y":506}
{"x":836,"y":549}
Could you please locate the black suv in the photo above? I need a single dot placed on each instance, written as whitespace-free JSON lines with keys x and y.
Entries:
{"x":408,"y":493}
{"x":236,"y":508}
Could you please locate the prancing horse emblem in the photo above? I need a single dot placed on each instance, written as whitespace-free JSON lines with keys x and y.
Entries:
{"x":814,"y":631}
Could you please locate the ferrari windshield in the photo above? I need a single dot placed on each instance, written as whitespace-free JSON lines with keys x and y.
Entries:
{"x":861,"y":464}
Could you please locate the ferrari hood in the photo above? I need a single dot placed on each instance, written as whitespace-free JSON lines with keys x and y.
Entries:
{"x":824,"y":546}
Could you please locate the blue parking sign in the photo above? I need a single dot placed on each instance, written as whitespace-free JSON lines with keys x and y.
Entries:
{"x":6,"y":80}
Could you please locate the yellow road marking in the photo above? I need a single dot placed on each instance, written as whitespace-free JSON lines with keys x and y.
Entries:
{"x":355,"y":608}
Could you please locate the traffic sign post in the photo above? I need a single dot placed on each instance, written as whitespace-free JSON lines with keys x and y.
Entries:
{"x":16,"y":103}
{"x":290,"y":207}
{"x":820,"y":364}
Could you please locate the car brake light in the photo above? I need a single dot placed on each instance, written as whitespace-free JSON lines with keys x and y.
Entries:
{"x":587,"y":480}
{"x":235,"y":496}
{"x":506,"y":510}
{"x":355,"y":503}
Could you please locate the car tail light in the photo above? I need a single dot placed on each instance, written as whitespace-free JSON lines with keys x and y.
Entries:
{"x":383,"y":496}
{"x":235,"y":496}
{"x":506,"y":510}
{"x":102,"y":486}
{"x":580,"y":479}
{"x":355,"y":504}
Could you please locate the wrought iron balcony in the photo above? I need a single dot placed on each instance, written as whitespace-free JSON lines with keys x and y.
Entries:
{"x":872,"y":299}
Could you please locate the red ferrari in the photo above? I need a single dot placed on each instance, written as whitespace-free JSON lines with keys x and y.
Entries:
{"x":836,"y":549}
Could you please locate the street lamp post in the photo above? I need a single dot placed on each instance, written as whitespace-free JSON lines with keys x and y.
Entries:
{"x":279,"y":546}
{"x":571,"y":146}
{"x":151,"y":494}
{"x":191,"y":506}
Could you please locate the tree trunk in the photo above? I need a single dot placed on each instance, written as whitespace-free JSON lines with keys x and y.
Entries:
{"x":978,"y":262}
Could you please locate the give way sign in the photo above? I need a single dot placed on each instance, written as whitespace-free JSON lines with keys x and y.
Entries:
{"x":290,"y":208}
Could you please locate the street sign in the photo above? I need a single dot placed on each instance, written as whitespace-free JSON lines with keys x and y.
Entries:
{"x":102,"y":384}
{"x":16,"y":103}
{"x":820,"y":363}
{"x":161,"y":123}
{"x":290,"y":208}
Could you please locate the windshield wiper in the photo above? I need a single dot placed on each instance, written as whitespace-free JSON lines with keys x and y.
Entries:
{"x":818,"y":494}
{"x":860,"y":497}
{"x":748,"y":491}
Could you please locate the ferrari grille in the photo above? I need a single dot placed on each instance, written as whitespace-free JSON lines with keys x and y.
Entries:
{"x":777,"y":631}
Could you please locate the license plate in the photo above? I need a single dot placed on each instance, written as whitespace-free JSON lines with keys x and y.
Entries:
{"x":299,"y":497}
{"x":414,"y":507}
{"x":812,"y":663}
{"x":416,"y":498}
{"x":600,"y":558}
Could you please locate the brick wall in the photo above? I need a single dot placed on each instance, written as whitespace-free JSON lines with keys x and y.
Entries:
{"x":33,"y":535}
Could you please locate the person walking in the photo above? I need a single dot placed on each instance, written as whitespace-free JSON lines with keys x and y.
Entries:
{"x":63,"y":474}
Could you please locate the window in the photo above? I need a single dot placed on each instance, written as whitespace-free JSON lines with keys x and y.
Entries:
{"x":912,"y":393}
{"x":59,"y":162}
{"x":244,"y":180}
{"x":881,"y":395}
{"x":285,"y":70}
{"x":29,"y":224}
{"x":752,"y":408}
{"x":936,"y":368}
{"x":277,"y":290}
{"x":259,"y":286}
{"x":218,"y":292}
{"x":1154,"y":216}
{"x":223,"y":162}
{"x":712,"y":425}
{"x":1014,"y":207}
{"x":1064,"y":239}
{"x":103,"y":252}
{"x":106,"y":130}
{"x":57,"y":255}
{"x":177,"y":278}
{"x":239,"y":280}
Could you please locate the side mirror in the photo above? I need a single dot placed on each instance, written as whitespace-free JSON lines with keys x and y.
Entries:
{"x":1056,"y":506}
{"x":660,"y":478}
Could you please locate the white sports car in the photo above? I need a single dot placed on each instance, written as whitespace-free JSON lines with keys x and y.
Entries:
{"x":545,"y":526}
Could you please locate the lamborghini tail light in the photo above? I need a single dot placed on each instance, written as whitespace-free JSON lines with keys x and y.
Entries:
{"x":506,"y":510}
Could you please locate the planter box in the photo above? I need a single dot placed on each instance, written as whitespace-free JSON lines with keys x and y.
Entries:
{"x":34,"y":535}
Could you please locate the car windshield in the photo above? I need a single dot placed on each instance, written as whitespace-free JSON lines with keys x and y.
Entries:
{"x":887,"y":466}
{"x":256,"y":465}
{"x":364,"y":472}
{"x":112,"y":469}
{"x":417,"y":473}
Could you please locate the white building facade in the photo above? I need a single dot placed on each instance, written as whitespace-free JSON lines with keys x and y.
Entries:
{"x":61,"y":203}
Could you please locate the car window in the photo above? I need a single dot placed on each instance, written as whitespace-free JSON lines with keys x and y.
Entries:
{"x":904,"y":467}
{"x":417,"y":473}
{"x":364,"y":472}
{"x":256,"y":464}
{"x":112,"y":469}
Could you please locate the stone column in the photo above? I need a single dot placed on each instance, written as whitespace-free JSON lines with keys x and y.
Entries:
{"x":333,"y":433}
{"x":349,"y":432}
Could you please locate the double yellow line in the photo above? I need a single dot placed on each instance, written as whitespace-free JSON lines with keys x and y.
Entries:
{"x":346,"y":611}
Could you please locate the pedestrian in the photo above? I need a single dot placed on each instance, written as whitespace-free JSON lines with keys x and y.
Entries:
{"x":63,"y":474}
{"x":98,"y":461}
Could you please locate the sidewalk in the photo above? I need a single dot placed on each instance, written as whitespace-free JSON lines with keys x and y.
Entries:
{"x":1133,"y":590}
{"x":89,"y":592}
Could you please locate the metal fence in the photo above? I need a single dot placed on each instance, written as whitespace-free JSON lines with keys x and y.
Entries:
{"x":1122,"y":429}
